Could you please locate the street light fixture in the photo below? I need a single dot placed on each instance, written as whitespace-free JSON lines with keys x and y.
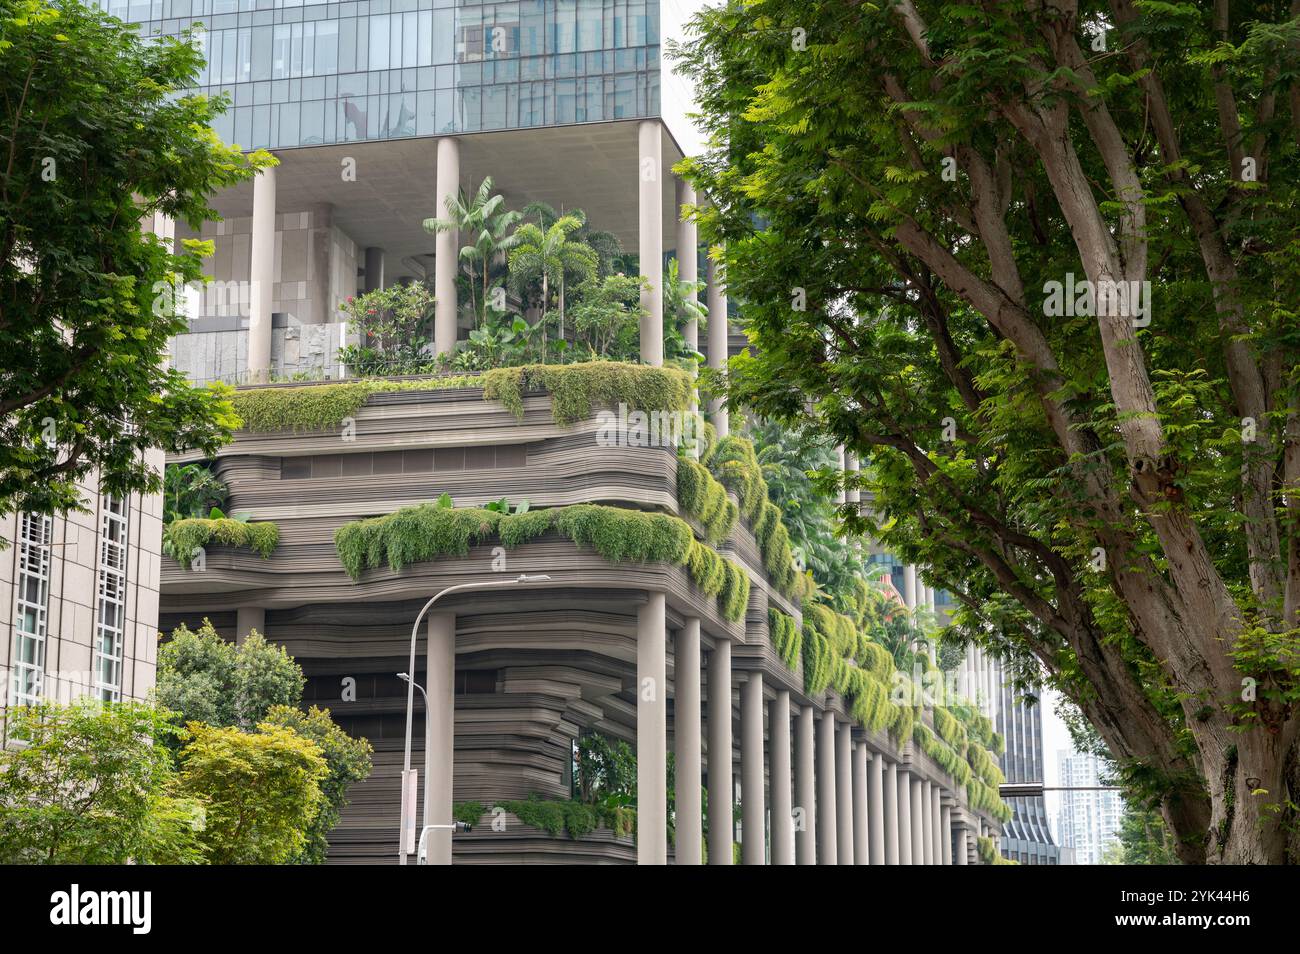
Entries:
{"x":410,"y":696}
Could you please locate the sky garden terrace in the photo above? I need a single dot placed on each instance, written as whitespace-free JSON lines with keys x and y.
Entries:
{"x":463,"y":272}
{"x":673,"y":620}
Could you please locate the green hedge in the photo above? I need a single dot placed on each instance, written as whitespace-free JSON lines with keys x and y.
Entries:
{"x":577,"y":389}
{"x":705,"y":500}
{"x":319,"y":407}
{"x":183,"y":537}
{"x":427,"y":532}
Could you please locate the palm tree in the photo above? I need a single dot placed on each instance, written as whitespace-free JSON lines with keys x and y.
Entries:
{"x":608,"y":249}
{"x":548,"y":255}
{"x":490,"y":230}
{"x":677,"y":301}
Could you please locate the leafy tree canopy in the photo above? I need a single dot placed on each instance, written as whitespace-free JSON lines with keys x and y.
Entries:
{"x":1037,"y":265}
{"x":262,"y":791}
{"x":96,"y":140}
{"x":204,"y":678}
{"x":93,"y":783}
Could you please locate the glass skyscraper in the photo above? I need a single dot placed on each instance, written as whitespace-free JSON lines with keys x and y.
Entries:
{"x":303,"y":73}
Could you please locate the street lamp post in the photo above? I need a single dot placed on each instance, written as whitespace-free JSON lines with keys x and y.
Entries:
{"x":410,"y":694}
{"x":406,"y":677}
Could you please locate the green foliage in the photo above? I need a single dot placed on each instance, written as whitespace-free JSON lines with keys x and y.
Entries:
{"x":484,"y":221}
{"x":734,"y":463}
{"x":949,"y":727}
{"x":1143,"y":838}
{"x":948,"y":757}
{"x":99,"y":136}
{"x":984,"y":765}
{"x":191,"y":490}
{"x":393,"y":326}
{"x":347,"y":760}
{"x":578,"y":389}
{"x":544,"y":258}
{"x":320,"y":407}
{"x":607,"y":317}
{"x":560,"y":816}
{"x":987,"y":848}
{"x":468,"y":812}
{"x":786,"y":638}
{"x":204,"y":678}
{"x":929,"y":299}
{"x":262,"y":790}
{"x":182,"y":539}
{"x":788,"y":458}
{"x":606,"y":769}
{"x":705,"y":500}
{"x":428,"y":532}
{"x":93,"y":783}
{"x":817,"y":660}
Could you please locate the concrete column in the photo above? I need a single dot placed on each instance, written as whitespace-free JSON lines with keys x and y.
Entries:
{"x":854,"y":495}
{"x":827,"y":832}
{"x":916,"y":803}
{"x":876,"y":809}
{"x":650,"y":246}
{"x":753,"y":806}
{"x":861,"y":847}
{"x":840,"y":496}
{"x":720,"y":822}
{"x":845,"y":842}
{"x":686,"y":742}
{"x":962,"y":847}
{"x":248,"y":618}
{"x":440,"y":740}
{"x":909,"y":586}
{"x":805,"y":799}
{"x":891,"y":802}
{"x":651,"y":733}
{"x":374,"y":264}
{"x":446,"y":249}
{"x":936,"y":816}
{"x":945,"y":828}
{"x":904,"y":817}
{"x":716,"y":298}
{"x":927,"y":824}
{"x":779,"y":778}
{"x":687,"y":251}
{"x":261,"y":276}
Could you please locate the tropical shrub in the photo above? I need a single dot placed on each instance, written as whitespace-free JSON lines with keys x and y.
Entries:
{"x":262,"y":791}
{"x":191,"y":490}
{"x":93,"y":783}
{"x":182,"y":539}
{"x":205,"y":678}
{"x":347,"y":760}
{"x":394,"y":329}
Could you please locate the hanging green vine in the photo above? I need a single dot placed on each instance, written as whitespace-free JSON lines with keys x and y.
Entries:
{"x":427,"y":532}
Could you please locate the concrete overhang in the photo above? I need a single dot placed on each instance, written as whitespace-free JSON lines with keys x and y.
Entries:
{"x":592,"y":166}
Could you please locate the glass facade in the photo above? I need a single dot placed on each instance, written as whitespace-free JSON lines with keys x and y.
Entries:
{"x":305,"y":74}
